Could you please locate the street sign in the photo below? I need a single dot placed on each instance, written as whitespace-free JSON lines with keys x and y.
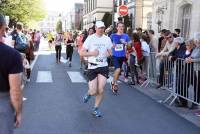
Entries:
{"x":123,"y":10}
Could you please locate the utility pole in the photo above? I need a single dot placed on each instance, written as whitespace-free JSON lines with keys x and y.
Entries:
{"x":113,"y":14}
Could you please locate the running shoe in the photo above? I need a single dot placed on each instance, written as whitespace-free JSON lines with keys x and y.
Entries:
{"x":70,"y":65}
{"x":86,"y":98}
{"x":114,"y":87}
{"x":96,"y":112}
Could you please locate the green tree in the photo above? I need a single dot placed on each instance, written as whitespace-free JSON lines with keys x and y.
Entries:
{"x":127,"y":21}
{"x":107,"y":19}
{"x":24,"y":11}
{"x":59,"y":26}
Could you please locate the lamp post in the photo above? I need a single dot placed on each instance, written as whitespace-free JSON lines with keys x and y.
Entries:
{"x":113,"y":11}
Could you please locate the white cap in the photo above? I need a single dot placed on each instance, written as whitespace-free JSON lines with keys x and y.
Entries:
{"x":179,"y":40}
{"x":99,"y":24}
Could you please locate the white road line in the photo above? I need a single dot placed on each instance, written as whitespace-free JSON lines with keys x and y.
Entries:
{"x":44,"y":77}
{"x":34,"y":61}
{"x":76,"y":77}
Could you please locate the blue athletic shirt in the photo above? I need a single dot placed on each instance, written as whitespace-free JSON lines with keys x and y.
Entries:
{"x":119,"y":50}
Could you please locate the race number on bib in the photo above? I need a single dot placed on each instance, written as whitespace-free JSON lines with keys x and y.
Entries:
{"x":99,"y":60}
{"x":119,"y":47}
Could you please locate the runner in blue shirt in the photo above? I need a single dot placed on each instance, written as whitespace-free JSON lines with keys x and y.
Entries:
{"x":120,"y":40}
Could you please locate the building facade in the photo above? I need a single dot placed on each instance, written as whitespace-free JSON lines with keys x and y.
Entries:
{"x":140,"y":11}
{"x":49,"y":22}
{"x":143,"y":17}
{"x":182,"y":14}
{"x":95,"y":10}
{"x":78,"y":15}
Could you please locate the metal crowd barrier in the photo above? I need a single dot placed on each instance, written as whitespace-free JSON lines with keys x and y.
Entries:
{"x":153,"y":70}
{"x":181,"y":79}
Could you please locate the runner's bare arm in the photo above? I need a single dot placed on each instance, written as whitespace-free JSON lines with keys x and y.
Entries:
{"x":16,"y":92}
{"x":84,"y":53}
{"x":109,"y":52}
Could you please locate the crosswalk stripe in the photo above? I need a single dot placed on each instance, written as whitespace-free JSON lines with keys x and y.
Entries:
{"x":76,"y":77}
{"x":44,"y":77}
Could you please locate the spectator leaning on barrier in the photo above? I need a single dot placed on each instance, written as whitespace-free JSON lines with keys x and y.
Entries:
{"x":195,"y":59}
{"x":169,"y":47}
{"x":10,"y":81}
{"x":189,"y":44}
{"x":179,"y":52}
{"x":188,"y":75}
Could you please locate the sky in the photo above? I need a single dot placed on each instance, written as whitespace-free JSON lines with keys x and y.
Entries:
{"x":60,"y":5}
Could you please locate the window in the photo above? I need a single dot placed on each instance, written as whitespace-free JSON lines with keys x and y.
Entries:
{"x":186,"y":21}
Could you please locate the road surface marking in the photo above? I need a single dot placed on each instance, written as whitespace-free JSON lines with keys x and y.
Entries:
{"x":44,"y":77}
{"x":76,"y":77}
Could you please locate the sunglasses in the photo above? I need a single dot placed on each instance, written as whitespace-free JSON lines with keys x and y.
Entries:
{"x":168,"y":37}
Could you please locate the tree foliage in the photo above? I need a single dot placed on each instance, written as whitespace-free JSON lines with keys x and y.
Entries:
{"x":127,"y":21}
{"x":59,"y":26}
{"x":107,"y":19}
{"x":24,"y":11}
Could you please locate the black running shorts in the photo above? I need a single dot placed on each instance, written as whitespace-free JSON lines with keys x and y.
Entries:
{"x":93,"y":73}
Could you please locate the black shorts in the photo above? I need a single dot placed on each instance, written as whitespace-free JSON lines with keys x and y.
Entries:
{"x":50,"y":41}
{"x":92,"y":73}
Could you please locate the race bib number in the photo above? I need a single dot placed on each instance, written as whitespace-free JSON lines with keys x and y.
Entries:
{"x":119,"y":47}
{"x":99,"y":60}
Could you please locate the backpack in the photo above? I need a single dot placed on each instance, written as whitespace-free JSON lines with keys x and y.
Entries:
{"x":21,"y":43}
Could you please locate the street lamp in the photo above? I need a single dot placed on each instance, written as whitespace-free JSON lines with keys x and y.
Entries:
{"x":160,"y":12}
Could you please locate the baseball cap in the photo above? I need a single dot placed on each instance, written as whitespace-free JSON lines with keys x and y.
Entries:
{"x":2,"y":20}
{"x":99,"y":24}
{"x":179,"y":40}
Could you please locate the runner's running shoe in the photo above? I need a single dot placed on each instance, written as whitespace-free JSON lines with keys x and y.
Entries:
{"x":86,"y":98}
{"x":114,"y":87}
{"x":70,"y":64}
{"x":96,"y":112}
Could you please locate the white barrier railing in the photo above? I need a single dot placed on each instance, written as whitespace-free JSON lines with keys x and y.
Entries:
{"x":180,"y":78}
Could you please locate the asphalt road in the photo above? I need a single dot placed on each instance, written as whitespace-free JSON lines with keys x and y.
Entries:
{"x":54,"y":106}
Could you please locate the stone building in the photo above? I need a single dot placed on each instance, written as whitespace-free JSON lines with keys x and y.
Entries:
{"x":171,"y":14}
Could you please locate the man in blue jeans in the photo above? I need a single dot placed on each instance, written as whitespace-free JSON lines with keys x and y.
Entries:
{"x":120,"y":40}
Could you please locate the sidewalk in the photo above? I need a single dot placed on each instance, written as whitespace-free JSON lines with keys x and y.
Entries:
{"x":159,"y":95}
